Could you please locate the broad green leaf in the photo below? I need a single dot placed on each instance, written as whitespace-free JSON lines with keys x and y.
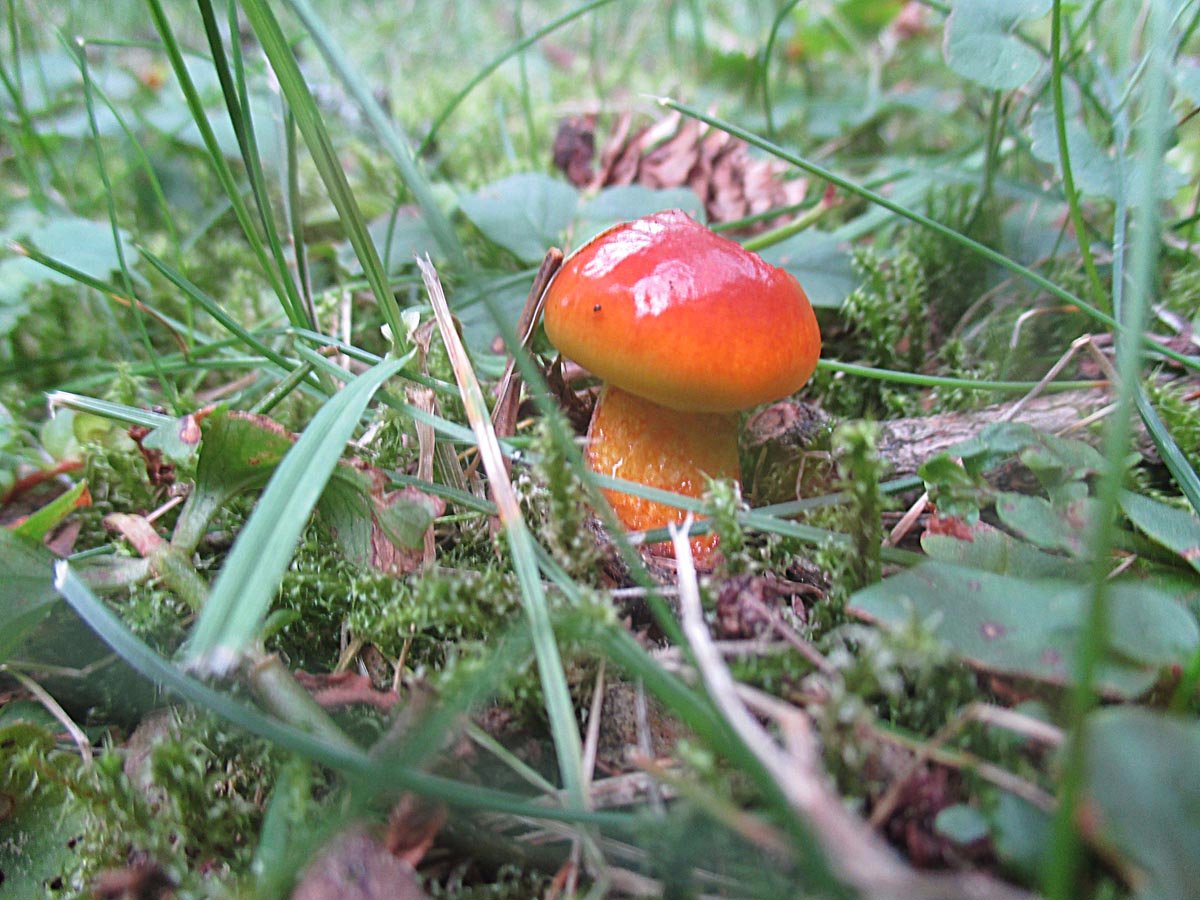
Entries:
{"x":1143,"y":784}
{"x":26,"y":588}
{"x":243,"y":591}
{"x":507,"y":295}
{"x":1187,"y":79}
{"x":239,"y":452}
{"x":398,"y":243}
{"x":1020,"y":834}
{"x":982,"y":42}
{"x":1175,"y":529}
{"x":36,"y":846}
{"x":630,"y":201}
{"x":1029,"y":628}
{"x":995,"y":551}
{"x":81,"y":244}
{"x":525,"y":214}
{"x":1063,"y":526}
{"x":1094,"y":169}
{"x":820,"y":262}
{"x":961,"y":823}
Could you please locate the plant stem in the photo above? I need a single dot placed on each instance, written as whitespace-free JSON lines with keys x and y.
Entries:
{"x":1100,"y":296}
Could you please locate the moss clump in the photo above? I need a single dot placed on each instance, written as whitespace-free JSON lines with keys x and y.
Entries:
{"x":184,"y":793}
{"x":1180,"y":413}
{"x":552,"y":500}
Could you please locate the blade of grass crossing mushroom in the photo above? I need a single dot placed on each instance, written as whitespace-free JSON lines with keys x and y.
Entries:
{"x":386,"y":129}
{"x":242,"y":593}
{"x":559,"y":707}
{"x":846,"y":184}
{"x":320,"y":147}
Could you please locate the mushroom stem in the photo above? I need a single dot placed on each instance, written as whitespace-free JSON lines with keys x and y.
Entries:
{"x":642,"y":441}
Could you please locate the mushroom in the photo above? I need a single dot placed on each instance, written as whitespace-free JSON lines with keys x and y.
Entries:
{"x":686,"y":329}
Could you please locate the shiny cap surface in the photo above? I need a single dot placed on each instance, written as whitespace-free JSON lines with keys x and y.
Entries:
{"x":666,"y":309}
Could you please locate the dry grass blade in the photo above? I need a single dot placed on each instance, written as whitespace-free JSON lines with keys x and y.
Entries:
{"x":559,"y":707}
{"x":855,"y":853}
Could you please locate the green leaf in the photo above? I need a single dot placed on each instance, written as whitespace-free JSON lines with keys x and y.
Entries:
{"x":26,"y":588}
{"x":1029,"y":628}
{"x":623,"y":203}
{"x":961,"y":823}
{"x":80,"y":244}
{"x":982,"y":42}
{"x":1095,"y":171}
{"x":1020,"y":834}
{"x":992,"y":550}
{"x":397,"y":243}
{"x":820,"y":262}
{"x":243,"y":591}
{"x":1173,"y":528}
{"x":1143,"y":781}
{"x":526,"y":214}
{"x":42,"y":521}
{"x":36,"y":833}
{"x":1055,"y":460}
{"x":1064,"y":526}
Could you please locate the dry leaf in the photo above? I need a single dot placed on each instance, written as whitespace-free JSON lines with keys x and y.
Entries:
{"x":412,"y":826}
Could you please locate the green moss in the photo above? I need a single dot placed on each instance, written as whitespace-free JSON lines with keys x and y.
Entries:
{"x":1180,"y":413}
{"x":552,"y":501}
{"x":187,"y":796}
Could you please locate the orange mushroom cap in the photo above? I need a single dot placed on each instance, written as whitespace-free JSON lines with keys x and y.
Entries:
{"x":666,"y":309}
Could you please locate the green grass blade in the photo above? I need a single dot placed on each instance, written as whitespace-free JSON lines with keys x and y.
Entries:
{"x":922,"y":380}
{"x":559,"y":708}
{"x":107,"y":409}
{"x":237,"y":104}
{"x":388,"y":132}
{"x":1041,"y":281}
{"x":1066,"y":856}
{"x":151,"y":665}
{"x":316,"y":137}
{"x":215,"y":156}
{"x":210,"y":306}
{"x":135,"y":308}
{"x":1099,"y":295}
{"x":243,"y":591}
{"x":482,"y":75}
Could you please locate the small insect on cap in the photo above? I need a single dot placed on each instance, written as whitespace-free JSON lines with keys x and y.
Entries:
{"x":666,"y":309}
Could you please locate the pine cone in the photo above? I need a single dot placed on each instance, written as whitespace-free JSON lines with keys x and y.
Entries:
{"x":678,"y":152}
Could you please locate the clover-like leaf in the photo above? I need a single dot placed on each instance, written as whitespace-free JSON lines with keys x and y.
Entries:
{"x":525,"y":214}
{"x":820,"y":262}
{"x":26,"y":588}
{"x":1030,"y":628}
{"x":1173,"y":528}
{"x":1143,"y":785}
{"x":982,"y":42}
